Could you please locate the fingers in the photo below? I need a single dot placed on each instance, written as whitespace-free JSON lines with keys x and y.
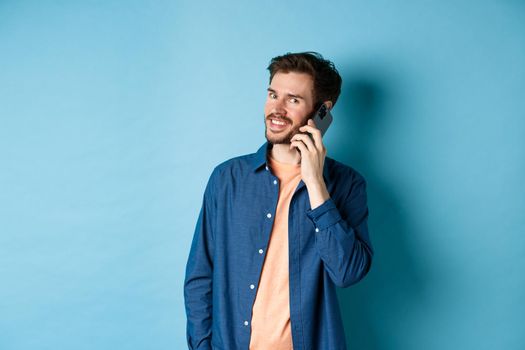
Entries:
{"x":300,"y":145}
{"x":307,"y":140}
{"x":316,"y":134}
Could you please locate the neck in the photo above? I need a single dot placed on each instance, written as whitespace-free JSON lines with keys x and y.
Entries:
{"x":283,"y":154}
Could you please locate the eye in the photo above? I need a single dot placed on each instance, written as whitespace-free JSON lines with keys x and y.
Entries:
{"x":272,"y":95}
{"x":294,"y":100}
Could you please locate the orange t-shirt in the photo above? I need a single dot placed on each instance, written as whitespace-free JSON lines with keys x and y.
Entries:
{"x":271,"y":310}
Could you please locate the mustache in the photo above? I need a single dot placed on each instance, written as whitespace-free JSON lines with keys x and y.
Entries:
{"x":272,"y":115}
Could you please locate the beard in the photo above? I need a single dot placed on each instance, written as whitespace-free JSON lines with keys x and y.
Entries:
{"x":285,"y":138}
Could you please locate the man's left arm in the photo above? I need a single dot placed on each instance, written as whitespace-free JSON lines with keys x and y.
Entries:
{"x":341,"y":230}
{"x":341,"y":236}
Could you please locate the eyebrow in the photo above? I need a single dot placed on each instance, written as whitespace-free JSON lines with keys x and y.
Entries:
{"x":289,"y":95}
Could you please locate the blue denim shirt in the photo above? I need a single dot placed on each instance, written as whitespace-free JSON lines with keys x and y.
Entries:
{"x":328,"y":247}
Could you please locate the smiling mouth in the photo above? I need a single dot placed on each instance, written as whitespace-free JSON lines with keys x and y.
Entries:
{"x":277,"y":125}
{"x":278,"y":122}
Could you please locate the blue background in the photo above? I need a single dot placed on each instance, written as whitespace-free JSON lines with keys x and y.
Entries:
{"x":114,"y":113}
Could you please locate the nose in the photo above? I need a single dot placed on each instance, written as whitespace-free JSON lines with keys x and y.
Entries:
{"x":278,"y":107}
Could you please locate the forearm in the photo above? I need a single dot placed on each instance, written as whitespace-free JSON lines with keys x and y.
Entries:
{"x":198,"y":302}
{"x":345,"y":250}
{"x":317,"y":193}
{"x":198,"y":283}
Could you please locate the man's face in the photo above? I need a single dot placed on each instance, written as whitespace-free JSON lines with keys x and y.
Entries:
{"x":288,"y":106}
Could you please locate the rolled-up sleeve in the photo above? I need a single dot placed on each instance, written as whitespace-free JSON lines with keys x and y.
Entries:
{"x":341,"y":236}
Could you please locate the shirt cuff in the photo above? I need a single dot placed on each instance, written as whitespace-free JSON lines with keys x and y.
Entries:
{"x":324,"y":215}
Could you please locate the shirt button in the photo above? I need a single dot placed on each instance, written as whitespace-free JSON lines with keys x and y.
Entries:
{"x":252,"y":286}
{"x":268,"y":215}
{"x":275,"y":182}
{"x":245,"y":323}
{"x":266,"y":167}
{"x":316,"y":229}
{"x":261,"y":251}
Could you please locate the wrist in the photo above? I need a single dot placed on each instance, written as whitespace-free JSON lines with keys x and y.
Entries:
{"x":317,"y":192}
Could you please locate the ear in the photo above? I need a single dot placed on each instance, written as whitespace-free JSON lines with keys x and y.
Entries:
{"x":328,"y":104}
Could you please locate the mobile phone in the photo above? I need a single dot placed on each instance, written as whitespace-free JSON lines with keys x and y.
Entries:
{"x":322,"y":119}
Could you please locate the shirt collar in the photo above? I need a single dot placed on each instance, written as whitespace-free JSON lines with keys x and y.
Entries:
{"x":260,"y":157}
{"x":259,"y":160}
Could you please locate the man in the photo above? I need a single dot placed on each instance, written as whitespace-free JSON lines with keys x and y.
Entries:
{"x":279,"y":229}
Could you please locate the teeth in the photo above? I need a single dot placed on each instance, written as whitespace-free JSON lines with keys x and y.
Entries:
{"x":278,"y":122}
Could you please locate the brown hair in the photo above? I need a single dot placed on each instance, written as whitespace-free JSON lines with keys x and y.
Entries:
{"x":327,"y":81}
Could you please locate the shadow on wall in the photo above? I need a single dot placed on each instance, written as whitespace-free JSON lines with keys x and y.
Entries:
{"x":373,"y":309}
